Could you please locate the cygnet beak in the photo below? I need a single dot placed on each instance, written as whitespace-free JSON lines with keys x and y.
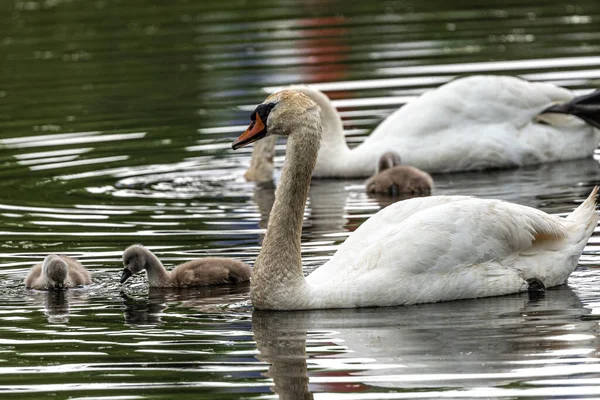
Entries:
{"x":125,"y":275}
{"x":58,"y":286}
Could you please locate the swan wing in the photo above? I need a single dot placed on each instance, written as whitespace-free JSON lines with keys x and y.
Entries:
{"x":381,"y":226}
{"x":484,"y":122}
{"x":477,"y":99}
{"x":457,"y":248}
{"x":387,"y":221}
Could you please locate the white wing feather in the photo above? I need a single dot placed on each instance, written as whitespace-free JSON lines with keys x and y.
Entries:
{"x":439,"y":248}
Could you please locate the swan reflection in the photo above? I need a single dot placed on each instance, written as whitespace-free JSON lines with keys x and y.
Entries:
{"x":56,"y":306}
{"x":150,"y":308}
{"x":467,"y":344}
{"x":524,"y":185}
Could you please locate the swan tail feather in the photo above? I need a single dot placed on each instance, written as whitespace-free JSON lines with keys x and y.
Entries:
{"x":586,"y":108}
{"x":586,"y":213}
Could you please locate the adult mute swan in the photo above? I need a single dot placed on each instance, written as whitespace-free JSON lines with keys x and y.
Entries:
{"x":394,"y":178}
{"x":471,"y":123}
{"x":202,"y":272}
{"x":57,"y":272}
{"x":416,"y":251}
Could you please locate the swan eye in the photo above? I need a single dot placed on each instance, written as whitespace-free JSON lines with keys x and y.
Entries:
{"x":263,"y":111}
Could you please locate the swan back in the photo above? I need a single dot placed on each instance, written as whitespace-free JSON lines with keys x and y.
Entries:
{"x":449,"y":247}
{"x":483,"y":122}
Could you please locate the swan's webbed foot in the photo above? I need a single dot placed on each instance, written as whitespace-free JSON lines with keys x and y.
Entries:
{"x":535,"y":285}
{"x":535,"y":288}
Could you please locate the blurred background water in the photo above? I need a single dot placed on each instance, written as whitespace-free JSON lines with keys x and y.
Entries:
{"x":116,"y":119}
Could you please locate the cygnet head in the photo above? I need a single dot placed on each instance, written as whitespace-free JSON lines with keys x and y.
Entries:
{"x":135,"y":259}
{"x":276,"y":115}
{"x":388,"y":160}
{"x":55,"y":270}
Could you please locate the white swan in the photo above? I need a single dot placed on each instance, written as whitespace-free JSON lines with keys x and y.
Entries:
{"x":472,"y":123}
{"x":415,"y":251}
{"x":57,"y":272}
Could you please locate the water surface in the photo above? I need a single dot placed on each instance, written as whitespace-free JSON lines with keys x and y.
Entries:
{"x":116,"y":120}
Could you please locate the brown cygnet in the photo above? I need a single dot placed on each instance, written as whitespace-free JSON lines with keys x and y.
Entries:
{"x":57,"y":272}
{"x":393,"y":178}
{"x":202,"y":272}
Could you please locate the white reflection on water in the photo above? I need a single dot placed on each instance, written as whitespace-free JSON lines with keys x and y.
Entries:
{"x":469,"y":344}
{"x":67,"y":139}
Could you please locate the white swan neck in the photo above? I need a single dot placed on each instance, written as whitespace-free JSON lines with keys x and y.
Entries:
{"x":277,"y":278}
{"x":335,"y":158}
{"x":156,"y":271}
{"x":333,"y":128}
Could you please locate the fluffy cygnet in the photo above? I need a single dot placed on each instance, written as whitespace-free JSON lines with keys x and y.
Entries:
{"x":202,"y":272}
{"x":393,"y":178}
{"x":57,"y":272}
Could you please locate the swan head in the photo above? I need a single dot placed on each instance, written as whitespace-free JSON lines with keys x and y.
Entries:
{"x":55,"y":270}
{"x":277,"y":115}
{"x":135,"y":259}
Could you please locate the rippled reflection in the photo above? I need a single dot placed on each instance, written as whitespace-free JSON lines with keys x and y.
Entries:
{"x":492,"y":342}
{"x":116,"y":121}
{"x":147,"y":308}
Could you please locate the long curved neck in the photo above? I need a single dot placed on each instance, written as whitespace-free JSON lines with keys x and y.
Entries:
{"x":156,"y":271}
{"x":335,"y":158}
{"x":277,"y":278}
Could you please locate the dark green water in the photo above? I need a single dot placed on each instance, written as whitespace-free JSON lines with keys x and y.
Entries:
{"x":116,"y":119}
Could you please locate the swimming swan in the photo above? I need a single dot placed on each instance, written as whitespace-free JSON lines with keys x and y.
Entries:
{"x":57,"y":272}
{"x":471,"y":123}
{"x":393,"y":178}
{"x":421,"y":250}
{"x":202,"y":272}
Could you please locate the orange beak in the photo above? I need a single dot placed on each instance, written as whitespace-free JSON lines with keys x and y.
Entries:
{"x":257,"y":130}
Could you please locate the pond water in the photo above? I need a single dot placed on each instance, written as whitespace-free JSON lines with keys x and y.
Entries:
{"x":116,"y":119}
